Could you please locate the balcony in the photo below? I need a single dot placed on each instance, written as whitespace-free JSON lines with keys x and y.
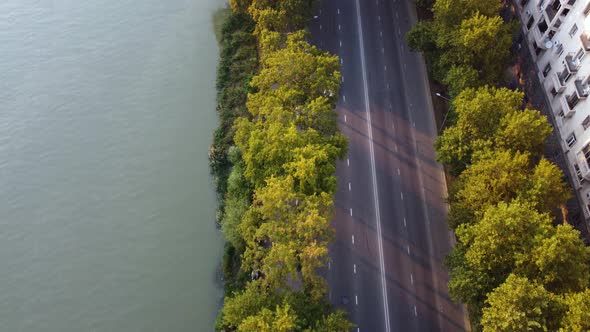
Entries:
{"x":567,"y":106}
{"x":551,"y":10}
{"x":539,"y":37}
{"x":582,"y":89}
{"x":585,"y":38}
{"x":559,"y":80}
{"x":583,"y":158}
{"x":570,"y":64}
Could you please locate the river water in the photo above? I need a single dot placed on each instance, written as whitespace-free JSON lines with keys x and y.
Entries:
{"x":107,"y":109}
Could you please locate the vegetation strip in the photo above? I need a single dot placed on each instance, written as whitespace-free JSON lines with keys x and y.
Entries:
{"x":514,"y":265}
{"x":273,"y":160}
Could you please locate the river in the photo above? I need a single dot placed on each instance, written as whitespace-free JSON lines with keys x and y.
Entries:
{"x":107,"y":210}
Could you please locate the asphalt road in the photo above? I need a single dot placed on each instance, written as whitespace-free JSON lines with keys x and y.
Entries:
{"x":391,"y":236}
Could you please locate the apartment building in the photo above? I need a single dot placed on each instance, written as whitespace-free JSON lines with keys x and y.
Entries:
{"x":558,"y":35}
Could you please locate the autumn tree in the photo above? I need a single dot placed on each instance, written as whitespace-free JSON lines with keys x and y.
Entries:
{"x":282,"y":319}
{"x":520,"y":305}
{"x":559,"y":262}
{"x":238,"y":307}
{"x":293,"y":127}
{"x":502,"y":176}
{"x":524,"y":131}
{"x":466,"y":44}
{"x":504,"y":237}
{"x":487,"y":118}
{"x":577,"y":315}
{"x":287,"y":236}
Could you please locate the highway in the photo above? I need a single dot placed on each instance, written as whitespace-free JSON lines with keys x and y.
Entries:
{"x":391,"y":237}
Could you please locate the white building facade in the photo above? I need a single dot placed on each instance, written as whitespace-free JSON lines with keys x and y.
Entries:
{"x":558,"y":35}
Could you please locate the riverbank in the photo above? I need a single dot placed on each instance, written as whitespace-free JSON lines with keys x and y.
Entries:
{"x":237,"y":64}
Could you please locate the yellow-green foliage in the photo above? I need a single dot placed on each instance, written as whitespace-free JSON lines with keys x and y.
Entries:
{"x":286,"y":147}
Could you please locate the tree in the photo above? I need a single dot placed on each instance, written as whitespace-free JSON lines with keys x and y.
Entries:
{"x":281,"y":15}
{"x":501,"y":176}
{"x":240,"y":6}
{"x":235,"y":207}
{"x":282,"y":319}
{"x":461,"y":77}
{"x":479,"y":114}
{"x":577,"y":315}
{"x":519,"y":305}
{"x":287,"y":236}
{"x":503,"y":238}
{"x":298,"y":70}
{"x":421,"y":37}
{"x":497,"y":176}
{"x":524,"y":131}
{"x":239,"y":306}
{"x":466,"y":284}
{"x":450,"y":13}
{"x":484,"y":43}
{"x":546,"y":187}
{"x":334,"y":322}
{"x":560,"y":262}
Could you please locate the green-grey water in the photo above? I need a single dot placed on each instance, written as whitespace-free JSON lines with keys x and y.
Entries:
{"x":106,"y":207}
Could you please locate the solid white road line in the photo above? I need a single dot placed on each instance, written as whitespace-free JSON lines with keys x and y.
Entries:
{"x":349,"y":189}
{"x":405,"y":222}
{"x":354,"y":268}
{"x":415,"y":311}
{"x":344,"y":98}
{"x":411,"y":278}
{"x":353,"y":239}
{"x":399,"y":172}
{"x":408,"y":249}
{"x":345,"y":118}
{"x":373,"y":168}
{"x":351,"y":216}
{"x":347,"y":162}
{"x":356,"y":299}
{"x":402,"y":195}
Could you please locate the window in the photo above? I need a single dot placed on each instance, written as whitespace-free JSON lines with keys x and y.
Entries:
{"x":587,"y":9}
{"x":559,"y":50}
{"x":553,"y":92}
{"x":578,"y":172}
{"x":530,"y":22}
{"x":586,"y":122}
{"x":561,"y":113}
{"x":580,"y":54}
{"x":572,"y":100}
{"x":586,"y":150}
{"x":565,"y":12}
{"x":546,"y":70}
{"x":542,"y":26}
{"x":573,"y":30}
{"x":523,"y":2}
{"x":570,"y":140}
